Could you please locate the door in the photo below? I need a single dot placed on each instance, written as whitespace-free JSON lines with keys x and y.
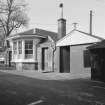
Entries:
{"x":44,"y":58}
{"x":10,"y":57}
{"x":65,"y":59}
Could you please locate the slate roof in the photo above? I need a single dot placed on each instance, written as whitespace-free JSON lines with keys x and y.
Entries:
{"x":77,"y":37}
{"x":38,"y":32}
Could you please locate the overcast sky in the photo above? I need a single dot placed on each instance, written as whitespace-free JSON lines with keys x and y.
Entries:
{"x":44,"y":14}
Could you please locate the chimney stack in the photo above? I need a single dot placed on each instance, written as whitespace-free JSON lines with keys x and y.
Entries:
{"x":61,"y":24}
{"x":91,"y":14}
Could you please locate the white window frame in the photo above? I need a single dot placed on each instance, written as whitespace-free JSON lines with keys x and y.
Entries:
{"x":20,"y":47}
{"x":15,"y":48}
{"x":28,"y":49}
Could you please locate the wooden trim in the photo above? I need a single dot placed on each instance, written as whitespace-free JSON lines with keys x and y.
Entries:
{"x":82,"y":44}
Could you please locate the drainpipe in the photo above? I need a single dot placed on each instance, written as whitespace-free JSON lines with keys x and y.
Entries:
{"x":53,"y":57}
{"x":54,"y":49}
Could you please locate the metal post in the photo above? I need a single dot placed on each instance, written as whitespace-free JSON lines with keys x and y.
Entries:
{"x":91,"y":13}
{"x":61,"y":6}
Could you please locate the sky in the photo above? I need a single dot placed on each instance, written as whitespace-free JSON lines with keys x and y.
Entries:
{"x":45,"y":13}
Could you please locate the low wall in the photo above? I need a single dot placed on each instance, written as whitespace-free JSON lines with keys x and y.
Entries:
{"x":26,"y":66}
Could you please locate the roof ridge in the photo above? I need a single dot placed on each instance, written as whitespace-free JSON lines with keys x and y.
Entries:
{"x":91,"y":35}
{"x":71,"y":31}
{"x":45,"y":30}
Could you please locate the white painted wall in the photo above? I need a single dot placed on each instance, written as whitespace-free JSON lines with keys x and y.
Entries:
{"x":77,"y":60}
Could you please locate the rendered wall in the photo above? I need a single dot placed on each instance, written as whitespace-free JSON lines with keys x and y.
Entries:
{"x":45,"y":64}
{"x":57,"y":60}
{"x":77,"y":60}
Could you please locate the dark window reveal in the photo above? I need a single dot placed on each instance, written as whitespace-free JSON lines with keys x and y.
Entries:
{"x":87,"y":62}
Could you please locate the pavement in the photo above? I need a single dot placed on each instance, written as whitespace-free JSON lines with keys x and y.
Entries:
{"x":49,"y":75}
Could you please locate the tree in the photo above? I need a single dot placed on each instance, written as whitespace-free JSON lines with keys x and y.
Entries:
{"x":12,"y":16}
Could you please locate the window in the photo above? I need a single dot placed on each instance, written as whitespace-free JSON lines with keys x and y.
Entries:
{"x":20,"y":47}
{"x":28,"y":48}
{"x":87,"y":62}
{"x":14,"y":47}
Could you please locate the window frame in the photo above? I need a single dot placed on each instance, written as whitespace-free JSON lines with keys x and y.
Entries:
{"x":28,"y":49}
{"x":20,"y":47}
{"x":15,"y":47}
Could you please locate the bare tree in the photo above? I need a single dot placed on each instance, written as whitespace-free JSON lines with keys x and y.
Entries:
{"x":12,"y":15}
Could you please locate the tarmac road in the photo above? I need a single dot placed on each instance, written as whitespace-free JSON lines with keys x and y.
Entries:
{"x":22,"y":90}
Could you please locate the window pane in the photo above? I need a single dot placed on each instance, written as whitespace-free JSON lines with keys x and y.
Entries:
{"x":30,"y":42}
{"x":28,"y":48}
{"x":19,"y":44}
{"x":26,"y":51}
{"x":20,"y":51}
{"x":26,"y":42}
{"x":15,"y":47}
{"x":20,"y":47}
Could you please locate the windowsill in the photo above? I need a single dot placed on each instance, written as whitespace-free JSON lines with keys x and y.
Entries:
{"x":24,"y":60}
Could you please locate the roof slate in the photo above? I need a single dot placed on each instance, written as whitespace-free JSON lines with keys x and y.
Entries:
{"x":38,"y":32}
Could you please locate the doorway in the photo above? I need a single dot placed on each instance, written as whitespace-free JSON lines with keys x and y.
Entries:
{"x":65,"y":59}
{"x":45,"y":58}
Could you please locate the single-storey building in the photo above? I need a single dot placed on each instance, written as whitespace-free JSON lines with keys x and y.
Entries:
{"x":33,"y":49}
{"x":73,"y":54}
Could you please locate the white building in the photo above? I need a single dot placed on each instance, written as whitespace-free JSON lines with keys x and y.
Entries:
{"x":73,"y":55}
